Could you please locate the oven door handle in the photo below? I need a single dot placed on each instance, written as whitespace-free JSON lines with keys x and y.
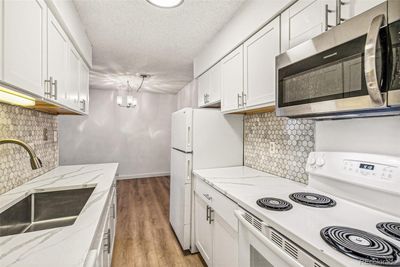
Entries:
{"x":371,"y":76}
{"x":274,"y":248}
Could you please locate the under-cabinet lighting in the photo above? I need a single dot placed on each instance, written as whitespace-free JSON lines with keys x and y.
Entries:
{"x":15,"y":98}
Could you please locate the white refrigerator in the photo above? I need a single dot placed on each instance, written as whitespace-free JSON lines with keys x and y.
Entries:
{"x":200,"y":139}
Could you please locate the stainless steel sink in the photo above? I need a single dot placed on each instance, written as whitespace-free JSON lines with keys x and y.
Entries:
{"x":44,"y":210}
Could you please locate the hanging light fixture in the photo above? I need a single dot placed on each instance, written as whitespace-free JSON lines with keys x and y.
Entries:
{"x":131,"y":102}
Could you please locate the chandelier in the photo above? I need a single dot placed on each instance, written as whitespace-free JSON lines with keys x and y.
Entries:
{"x":131,"y":102}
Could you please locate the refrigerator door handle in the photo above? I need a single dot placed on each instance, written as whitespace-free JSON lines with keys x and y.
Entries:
{"x":188,"y":177}
{"x":188,"y":137}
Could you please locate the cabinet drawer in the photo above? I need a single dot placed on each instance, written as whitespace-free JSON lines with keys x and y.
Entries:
{"x":203,"y":190}
{"x":218,"y":202}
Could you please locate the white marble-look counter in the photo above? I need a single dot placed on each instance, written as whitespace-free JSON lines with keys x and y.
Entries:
{"x":65,"y":246}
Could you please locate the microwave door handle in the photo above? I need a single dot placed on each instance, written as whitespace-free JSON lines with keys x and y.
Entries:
{"x":371,"y":76}
{"x":271,"y":246}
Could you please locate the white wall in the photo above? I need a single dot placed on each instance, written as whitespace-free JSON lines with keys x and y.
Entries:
{"x":187,"y":96}
{"x":139,"y":139}
{"x":367,"y":135}
{"x":252,"y":16}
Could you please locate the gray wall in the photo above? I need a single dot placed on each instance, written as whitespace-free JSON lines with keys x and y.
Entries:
{"x":366,"y":135}
{"x":139,"y":138}
{"x":187,"y":96}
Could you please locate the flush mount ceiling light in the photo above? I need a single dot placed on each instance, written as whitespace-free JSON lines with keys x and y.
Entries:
{"x":165,"y":3}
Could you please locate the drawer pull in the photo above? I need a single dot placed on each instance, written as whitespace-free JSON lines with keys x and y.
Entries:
{"x":207,"y":196}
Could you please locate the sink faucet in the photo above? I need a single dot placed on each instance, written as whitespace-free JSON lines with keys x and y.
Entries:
{"x":36,"y":163}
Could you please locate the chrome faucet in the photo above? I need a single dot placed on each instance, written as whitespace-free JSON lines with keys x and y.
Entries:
{"x":36,"y":163}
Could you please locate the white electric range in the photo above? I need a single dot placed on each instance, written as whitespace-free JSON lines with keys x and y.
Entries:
{"x":350,"y":195}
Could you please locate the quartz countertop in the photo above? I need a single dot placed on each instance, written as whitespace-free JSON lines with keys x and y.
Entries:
{"x":65,"y":246}
{"x":301,"y":224}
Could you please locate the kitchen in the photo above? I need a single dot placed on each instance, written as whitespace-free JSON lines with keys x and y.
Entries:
{"x":200,"y":133}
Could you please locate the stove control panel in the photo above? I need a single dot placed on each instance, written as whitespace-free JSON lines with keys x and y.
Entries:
{"x":369,"y":169}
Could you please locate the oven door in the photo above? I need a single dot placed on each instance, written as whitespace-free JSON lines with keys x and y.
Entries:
{"x":341,"y":71}
{"x":256,"y":250}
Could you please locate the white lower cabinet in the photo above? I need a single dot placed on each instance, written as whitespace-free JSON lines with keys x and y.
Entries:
{"x":216,"y":227}
{"x":100,"y":254}
{"x":203,"y":230}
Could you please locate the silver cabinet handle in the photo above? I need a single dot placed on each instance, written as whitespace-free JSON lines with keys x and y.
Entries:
{"x":244,"y":99}
{"x":83,"y":105}
{"x":48,"y":87}
{"x":207,"y":214}
{"x":370,"y":71}
{"x":239,"y":100}
{"x":210,"y":219}
{"x":207,"y":196}
{"x":339,"y":19}
{"x":327,"y":12}
{"x":53,"y":90}
{"x":107,"y":246}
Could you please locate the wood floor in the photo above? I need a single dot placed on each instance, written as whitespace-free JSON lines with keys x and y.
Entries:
{"x":144,"y":236}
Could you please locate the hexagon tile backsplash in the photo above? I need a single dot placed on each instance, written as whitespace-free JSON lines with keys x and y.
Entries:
{"x":32,"y":127}
{"x":293,"y":140}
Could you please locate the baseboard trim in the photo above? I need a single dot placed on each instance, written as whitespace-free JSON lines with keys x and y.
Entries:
{"x":142,"y":175}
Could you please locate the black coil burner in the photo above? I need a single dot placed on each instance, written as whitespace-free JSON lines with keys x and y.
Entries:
{"x":312,"y":200}
{"x":391,"y":229}
{"x":271,"y":203}
{"x":362,"y":246}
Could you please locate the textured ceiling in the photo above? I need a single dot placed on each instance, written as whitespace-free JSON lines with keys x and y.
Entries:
{"x":132,"y":36}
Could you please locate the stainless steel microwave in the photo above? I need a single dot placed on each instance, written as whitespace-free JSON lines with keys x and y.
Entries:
{"x":351,"y":70}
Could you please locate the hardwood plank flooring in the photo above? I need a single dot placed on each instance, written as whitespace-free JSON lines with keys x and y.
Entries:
{"x":144,"y":236}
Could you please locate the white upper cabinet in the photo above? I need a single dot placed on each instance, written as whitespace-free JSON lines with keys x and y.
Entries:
{"x":202,"y":85}
{"x":84,"y":87}
{"x":57,"y":55}
{"x":259,"y":65}
{"x":232,"y":80}
{"x":74,"y":77}
{"x":209,"y":87}
{"x":351,"y":8}
{"x":24,"y":40}
{"x":305,"y":20}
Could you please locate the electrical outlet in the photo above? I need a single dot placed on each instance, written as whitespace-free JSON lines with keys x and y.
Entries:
{"x":55,"y":137}
{"x":272,"y":147}
{"x":45,"y":135}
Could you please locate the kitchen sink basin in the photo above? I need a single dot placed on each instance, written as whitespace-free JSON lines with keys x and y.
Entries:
{"x":44,"y":210}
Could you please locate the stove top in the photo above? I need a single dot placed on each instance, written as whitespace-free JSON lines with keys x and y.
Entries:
{"x":362,"y":246}
{"x":313,"y":200}
{"x":390,"y":229}
{"x":271,"y":203}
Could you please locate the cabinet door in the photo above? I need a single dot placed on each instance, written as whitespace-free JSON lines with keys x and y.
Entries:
{"x":24,"y":42}
{"x":202,"y":89}
{"x":214,"y":89}
{"x":305,"y":20}
{"x":73,"y":78}
{"x":84,"y":87}
{"x":259,"y":65}
{"x":203,"y":230}
{"x":351,"y":8}
{"x":232,"y":80}
{"x":225,"y":244}
{"x":57,"y":59}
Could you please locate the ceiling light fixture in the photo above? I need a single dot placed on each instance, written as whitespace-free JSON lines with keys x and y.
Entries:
{"x":166,"y":3}
{"x":131,"y":101}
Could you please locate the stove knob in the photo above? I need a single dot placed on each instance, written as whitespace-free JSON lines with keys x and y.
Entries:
{"x":320,"y":162}
{"x":311,"y":161}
